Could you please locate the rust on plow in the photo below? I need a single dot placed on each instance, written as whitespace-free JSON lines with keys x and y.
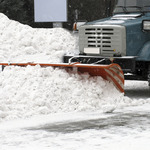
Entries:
{"x":112,"y":72}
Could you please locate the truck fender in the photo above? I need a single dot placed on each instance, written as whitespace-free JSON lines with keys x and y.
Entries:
{"x":144,"y":54}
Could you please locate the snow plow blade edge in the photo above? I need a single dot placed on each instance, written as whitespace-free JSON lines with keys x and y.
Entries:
{"x":112,"y":72}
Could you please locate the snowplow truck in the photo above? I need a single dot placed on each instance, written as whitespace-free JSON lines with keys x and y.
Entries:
{"x":123,"y":38}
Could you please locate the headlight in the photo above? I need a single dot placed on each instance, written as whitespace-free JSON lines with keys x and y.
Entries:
{"x":146,"y":25}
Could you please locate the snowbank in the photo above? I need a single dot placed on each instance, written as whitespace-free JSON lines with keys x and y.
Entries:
{"x":21,"y":43}
{"x":31,"y":91}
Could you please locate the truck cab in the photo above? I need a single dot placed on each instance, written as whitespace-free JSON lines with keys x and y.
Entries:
{"x":123,"y":38}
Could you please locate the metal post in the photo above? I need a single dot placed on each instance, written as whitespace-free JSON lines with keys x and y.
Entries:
{"x":76,"y":15}
{"x":57,"y":24}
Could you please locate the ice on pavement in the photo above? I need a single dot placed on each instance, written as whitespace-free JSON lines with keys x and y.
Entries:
{"x":31,"y":91}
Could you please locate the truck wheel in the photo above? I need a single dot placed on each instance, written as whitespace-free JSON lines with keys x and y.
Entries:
{"x":148,"y":76}
{"x":149,"y":79}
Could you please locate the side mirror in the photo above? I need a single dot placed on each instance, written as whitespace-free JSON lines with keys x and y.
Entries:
{"x":146,"y":25}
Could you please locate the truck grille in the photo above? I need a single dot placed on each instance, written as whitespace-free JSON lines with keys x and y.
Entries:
{"x":99,"y":38}
{"x":107,"y":38}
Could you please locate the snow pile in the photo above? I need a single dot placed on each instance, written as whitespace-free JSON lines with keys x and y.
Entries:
{"x":35,"y":90}
{"x":30,"y":91}
{"x":21,"y":43}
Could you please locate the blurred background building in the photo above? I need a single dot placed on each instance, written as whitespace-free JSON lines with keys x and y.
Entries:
{"x":23,"y":11}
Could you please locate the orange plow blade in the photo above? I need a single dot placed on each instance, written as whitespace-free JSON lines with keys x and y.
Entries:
{"x":112,"y":72}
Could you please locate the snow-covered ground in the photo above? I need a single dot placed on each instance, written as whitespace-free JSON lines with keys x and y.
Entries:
{"x":126,"y":128}
{"x":46,"y":108}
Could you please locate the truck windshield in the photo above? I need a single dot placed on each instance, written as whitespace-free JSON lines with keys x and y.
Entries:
{"x":128,"y":6}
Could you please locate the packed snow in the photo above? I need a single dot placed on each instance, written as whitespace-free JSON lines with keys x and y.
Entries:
{"x":33,"y":91}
